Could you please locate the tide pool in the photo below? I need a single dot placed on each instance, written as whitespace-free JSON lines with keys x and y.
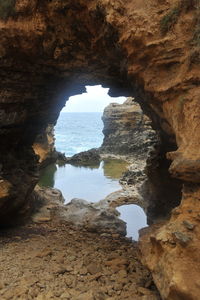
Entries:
{"x":91,"y":183}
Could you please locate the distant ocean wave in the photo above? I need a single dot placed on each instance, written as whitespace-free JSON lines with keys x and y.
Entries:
{"x":76,"y":132}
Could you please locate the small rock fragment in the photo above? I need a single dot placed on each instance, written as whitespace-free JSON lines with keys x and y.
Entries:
{"x":144,"y":291}
{"x":44,"y":252}
{"x":117,"y":262}
{"x":65,"y":295}
{"x":188,"y":225}
{"x":94,"y":268}
{"x":182,"y":238}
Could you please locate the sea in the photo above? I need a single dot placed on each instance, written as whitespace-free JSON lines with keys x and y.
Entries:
{"x":79,"y":131}
{"x":76,"y":132}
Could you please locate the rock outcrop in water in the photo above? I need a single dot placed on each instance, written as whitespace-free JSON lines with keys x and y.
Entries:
{"x":128,"y":134}
{"x":127,"y":131}
{"x":90,"y":157}
{"x":50,"y":50}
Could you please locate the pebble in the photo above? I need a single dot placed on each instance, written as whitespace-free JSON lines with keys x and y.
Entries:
{"x":94,"y":268}
{"x":144,"y":291}
{"x":188,"y":225}
{"x":182,"y":238}
{"x":65,"y":295}
{"x":44,"y":252}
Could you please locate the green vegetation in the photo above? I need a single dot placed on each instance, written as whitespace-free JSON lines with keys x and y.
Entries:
{"x":7,"y":8}
{"x":169,"y":20}
{"x":196,"y":37}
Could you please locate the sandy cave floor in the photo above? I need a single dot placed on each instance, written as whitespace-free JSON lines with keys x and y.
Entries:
{"x":56,"y":261}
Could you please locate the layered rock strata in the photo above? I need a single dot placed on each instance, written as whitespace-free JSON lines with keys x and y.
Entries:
{"x":147,"y":49}
{"x":127,"y":131}
{"x":170,"y":250}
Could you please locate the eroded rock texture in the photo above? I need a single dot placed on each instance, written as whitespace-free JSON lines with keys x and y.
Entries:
{"x":171,"y":249}
{"x":127,"y":131}
{"x":44,"y":146}
{"x":49,"y":50}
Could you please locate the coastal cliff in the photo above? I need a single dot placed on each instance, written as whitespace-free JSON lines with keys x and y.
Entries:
{"x":127,"y":131}
{"x":149,"y":50}
{"x":128,"y":134}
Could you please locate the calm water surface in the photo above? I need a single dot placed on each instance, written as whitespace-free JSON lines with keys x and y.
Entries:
{"x":91,"y":183}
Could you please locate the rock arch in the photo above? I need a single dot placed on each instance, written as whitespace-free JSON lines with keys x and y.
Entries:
{"x":46,"y":46}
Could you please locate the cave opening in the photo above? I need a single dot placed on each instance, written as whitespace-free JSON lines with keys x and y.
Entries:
{"x":72,"y":131}
{"x":160,"y":200}
{"x":57,"y":74}
{"x":79,"y":129}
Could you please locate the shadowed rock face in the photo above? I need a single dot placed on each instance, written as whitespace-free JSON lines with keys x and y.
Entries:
{"x":49,"y":50}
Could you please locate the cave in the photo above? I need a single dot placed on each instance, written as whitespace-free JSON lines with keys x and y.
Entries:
{"x":48,"y":46}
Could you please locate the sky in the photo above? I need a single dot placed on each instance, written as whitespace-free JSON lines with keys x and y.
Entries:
{"x":95,"y":100}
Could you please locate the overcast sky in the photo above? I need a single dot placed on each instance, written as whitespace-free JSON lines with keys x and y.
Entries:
{"x":95,"y":100}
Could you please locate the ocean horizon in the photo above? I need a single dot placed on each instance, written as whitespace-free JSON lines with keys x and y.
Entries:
{"x":78,"y":131}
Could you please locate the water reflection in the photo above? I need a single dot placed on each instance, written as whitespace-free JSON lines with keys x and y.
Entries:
{"x":86,"y":182}
{"x":87,"y":165}
{"x":135,"y":218}
{"x":47,"y":176}
{"x":113,"y":168}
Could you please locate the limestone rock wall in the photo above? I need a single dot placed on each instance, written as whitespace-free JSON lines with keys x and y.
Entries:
{"x":171,"y":249}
